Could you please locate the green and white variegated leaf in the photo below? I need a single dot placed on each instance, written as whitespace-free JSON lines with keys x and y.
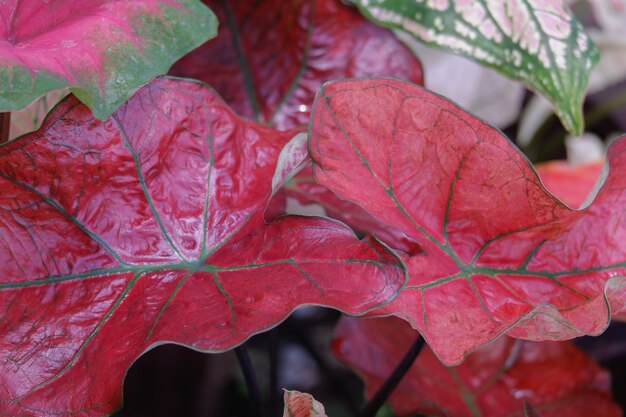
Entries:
{"x":536,"y":41}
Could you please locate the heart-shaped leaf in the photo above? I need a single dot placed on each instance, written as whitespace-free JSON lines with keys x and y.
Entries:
{"x":270,"y":57}
{"x":146,"y":228}
{"x":104,"y":50}
{"x":536,"y":41}
{"x":501,"y":254}
{"x":556,"y":378}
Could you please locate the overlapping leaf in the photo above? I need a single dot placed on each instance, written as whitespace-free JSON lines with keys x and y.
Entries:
{"x":536,"y":41}
{"x":305,"y":190}
{"x":556,"y":379}
{"x":30,"y":118}
{"x":271,"y":57}
{"x":607,"y":30}
{"x":146,"y":228}
{"x":479,"y":89}
{"x":501,"y":254}
{"x":568,"y":182}
{"x":104,"y":50}
{"x":571,"y":183}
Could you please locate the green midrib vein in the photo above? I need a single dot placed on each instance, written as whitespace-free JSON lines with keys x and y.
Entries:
{"x":466,"y":270}
{"x":182,"y":266}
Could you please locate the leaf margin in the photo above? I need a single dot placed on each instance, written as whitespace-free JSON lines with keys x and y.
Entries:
{"x":568,"y":109}
{"x":615,"y":282}
{"x":88,"y":90}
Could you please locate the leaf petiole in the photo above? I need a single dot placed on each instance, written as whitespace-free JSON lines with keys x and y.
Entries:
{"x":249,"y":374}
{"x":377,"y":401}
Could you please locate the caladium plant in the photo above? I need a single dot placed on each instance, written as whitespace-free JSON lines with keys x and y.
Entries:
{"x":104,"y":50}
{"x":537,"y":41}
{"x":500,"y":253}
{"x":147,"y":228}
{"x":270,"y":58}
{"x":557,"y":379}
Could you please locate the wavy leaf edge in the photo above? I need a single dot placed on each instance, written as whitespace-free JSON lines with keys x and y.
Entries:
{"x":141,"y":269}
{"x":615,"y":282}
{"x":569,"y":111}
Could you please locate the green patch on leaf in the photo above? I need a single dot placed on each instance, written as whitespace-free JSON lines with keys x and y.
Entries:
{"x":102,"y":51}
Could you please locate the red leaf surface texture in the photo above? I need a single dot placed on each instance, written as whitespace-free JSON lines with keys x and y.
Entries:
{"x":571,"y":183}
{"x":501,"y":254}
{"x":306,"y":191}
{"x":270,"y":58}
{"x":120,"y":235}
{"x":555,"y":378}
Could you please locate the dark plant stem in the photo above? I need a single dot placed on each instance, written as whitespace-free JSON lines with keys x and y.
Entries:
{"x":5,"y":123}
{"x":394,"y":379}
{"x":250,"y":376}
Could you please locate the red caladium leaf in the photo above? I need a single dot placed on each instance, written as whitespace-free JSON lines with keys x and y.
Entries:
{"x":104,"y":50}
{"x":146,"y":228}
{"x":271,"y":57}
{"x":305,"y":190}
{"x":570,"y":183}
{"x":301,"y":404}
{"x":555,"y":378}
{"x":501,"y":254}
